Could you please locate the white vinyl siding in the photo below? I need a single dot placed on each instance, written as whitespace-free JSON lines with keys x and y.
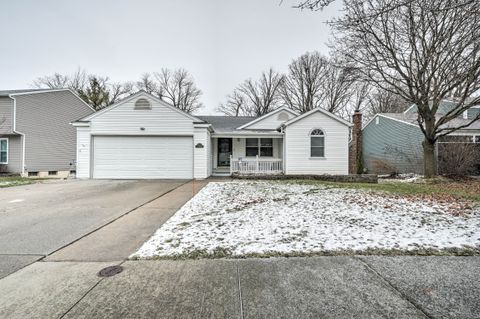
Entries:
{"x":142,"y":157}
{"x":126,"y":120}
{"x":271,"y":122}
{"x":298,"y":158}
{"x":202,"y":137}
{"x":83,"y":152}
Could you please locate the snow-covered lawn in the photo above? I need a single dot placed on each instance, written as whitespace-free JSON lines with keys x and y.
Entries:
{"x":267,"y":218}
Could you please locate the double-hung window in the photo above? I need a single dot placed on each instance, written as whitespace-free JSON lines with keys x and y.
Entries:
{"x":3,"y":150}
{"x":317,"y":143}
{"x":259,"y":146}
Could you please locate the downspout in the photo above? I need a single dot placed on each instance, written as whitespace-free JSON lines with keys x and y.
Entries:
{"x":22,"y":134}
{"x":284,"y":151}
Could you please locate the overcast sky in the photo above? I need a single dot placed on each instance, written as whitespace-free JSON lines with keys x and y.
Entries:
{"x":221,"y":42}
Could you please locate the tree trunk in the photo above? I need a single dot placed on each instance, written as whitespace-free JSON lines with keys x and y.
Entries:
{"x":429,"y":158}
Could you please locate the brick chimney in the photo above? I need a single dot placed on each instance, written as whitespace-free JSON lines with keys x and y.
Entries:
{"x":355,"y":155}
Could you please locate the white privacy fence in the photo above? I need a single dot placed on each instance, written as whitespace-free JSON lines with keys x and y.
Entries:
{"x":256,"y":165}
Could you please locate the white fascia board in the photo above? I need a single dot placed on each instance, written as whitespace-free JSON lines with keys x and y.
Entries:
{"x":370,"y":121}
{"x":83,"y":124}
{"x":143,"y":134}
{"x":408,"y":109}
{"x":39,"y":92}
{"x":283,"y":108}
{"x":325,"y":112}
{"x":401,"y":121}
{"x":207,"y":126}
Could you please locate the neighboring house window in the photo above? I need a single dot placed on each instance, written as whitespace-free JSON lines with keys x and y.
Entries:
{"x":317,"y":143}
{"x":259,"y":146}
{"x":142,"y":104}
{"x":3,"y":150}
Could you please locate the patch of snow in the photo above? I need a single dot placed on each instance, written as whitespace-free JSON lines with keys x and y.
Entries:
{"x":400,"y":178}
{"x":16,"y":201}
{"x":257,"y":217}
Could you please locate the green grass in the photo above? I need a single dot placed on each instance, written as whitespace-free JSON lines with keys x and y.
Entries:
{"x":219,"y":253}
{"x":10,"y":181}
{"x":455,"y":189}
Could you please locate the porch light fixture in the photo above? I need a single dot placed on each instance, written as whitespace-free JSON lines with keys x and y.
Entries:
{"x":142,"y":129}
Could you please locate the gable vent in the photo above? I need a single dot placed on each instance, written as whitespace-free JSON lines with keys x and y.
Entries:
{"x":282,"y":117}
{"x":143,"y":104}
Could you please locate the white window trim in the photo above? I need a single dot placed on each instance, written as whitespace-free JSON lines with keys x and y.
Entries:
{"x":324,"y":144}
{"x":4,"y":139}
{"x":259,"y":147}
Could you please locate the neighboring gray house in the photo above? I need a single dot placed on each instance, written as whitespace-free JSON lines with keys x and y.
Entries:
{"x":36,"y":138}
{"x":392,"y":142}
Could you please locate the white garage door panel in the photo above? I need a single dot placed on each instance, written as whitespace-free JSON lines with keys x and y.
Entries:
{"x":142,"y":157}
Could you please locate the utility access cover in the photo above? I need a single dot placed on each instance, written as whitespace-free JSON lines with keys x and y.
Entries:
{"x":110,"y":271}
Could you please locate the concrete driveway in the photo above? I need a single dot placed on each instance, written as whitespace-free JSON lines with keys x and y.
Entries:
{"x":39,"y":219}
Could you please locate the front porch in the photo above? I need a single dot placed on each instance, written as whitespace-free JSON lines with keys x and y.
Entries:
{"x":247,"y":155}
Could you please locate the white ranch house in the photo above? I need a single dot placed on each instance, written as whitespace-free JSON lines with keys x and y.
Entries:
{"x":145,"y":137}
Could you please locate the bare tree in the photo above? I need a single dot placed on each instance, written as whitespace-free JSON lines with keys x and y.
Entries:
{"x":258,"y":97}
{"x":302,"y":89}
{"x":75,"y":81}
{"x":148,"y":84}
{"x":235,"y":105}
{"x":383,"y":101}
{"x":360,"y":97}
{"x":421,"y":50}
{"x":120,"y":90}
{"x":178,"y":88}
{"x":338,"y":83}
{"x":313,"y":4}
{"x":94,"y":90}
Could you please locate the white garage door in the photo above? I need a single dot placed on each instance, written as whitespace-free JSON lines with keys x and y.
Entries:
{"x":142,"y":157}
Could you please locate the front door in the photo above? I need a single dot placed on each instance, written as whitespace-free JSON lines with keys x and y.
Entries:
{"x":224,"y":151}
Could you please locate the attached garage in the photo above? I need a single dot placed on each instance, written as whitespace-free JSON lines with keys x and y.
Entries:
{"x":142,"y":157}
{"x":142,"y":137}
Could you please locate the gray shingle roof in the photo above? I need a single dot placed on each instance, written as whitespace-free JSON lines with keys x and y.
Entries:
{"x":4,"y":93}
{"x":412,"y":118}
{"x":225,"y":124}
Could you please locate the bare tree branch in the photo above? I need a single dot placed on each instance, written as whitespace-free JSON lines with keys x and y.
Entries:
{"x":257,"y":97}
{"x":421,"y":50}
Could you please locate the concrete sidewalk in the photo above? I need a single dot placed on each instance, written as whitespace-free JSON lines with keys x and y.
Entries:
{"x":310,"y":287}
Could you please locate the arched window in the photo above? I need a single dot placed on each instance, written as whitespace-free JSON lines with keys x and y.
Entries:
{"x":317,"y":143}
{"x":142,"y":104}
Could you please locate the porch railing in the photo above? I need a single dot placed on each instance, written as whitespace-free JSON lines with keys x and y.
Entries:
{"x":256,"y":165}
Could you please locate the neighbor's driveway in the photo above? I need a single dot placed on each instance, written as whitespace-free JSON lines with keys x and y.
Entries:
{"x":39,"y":219}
